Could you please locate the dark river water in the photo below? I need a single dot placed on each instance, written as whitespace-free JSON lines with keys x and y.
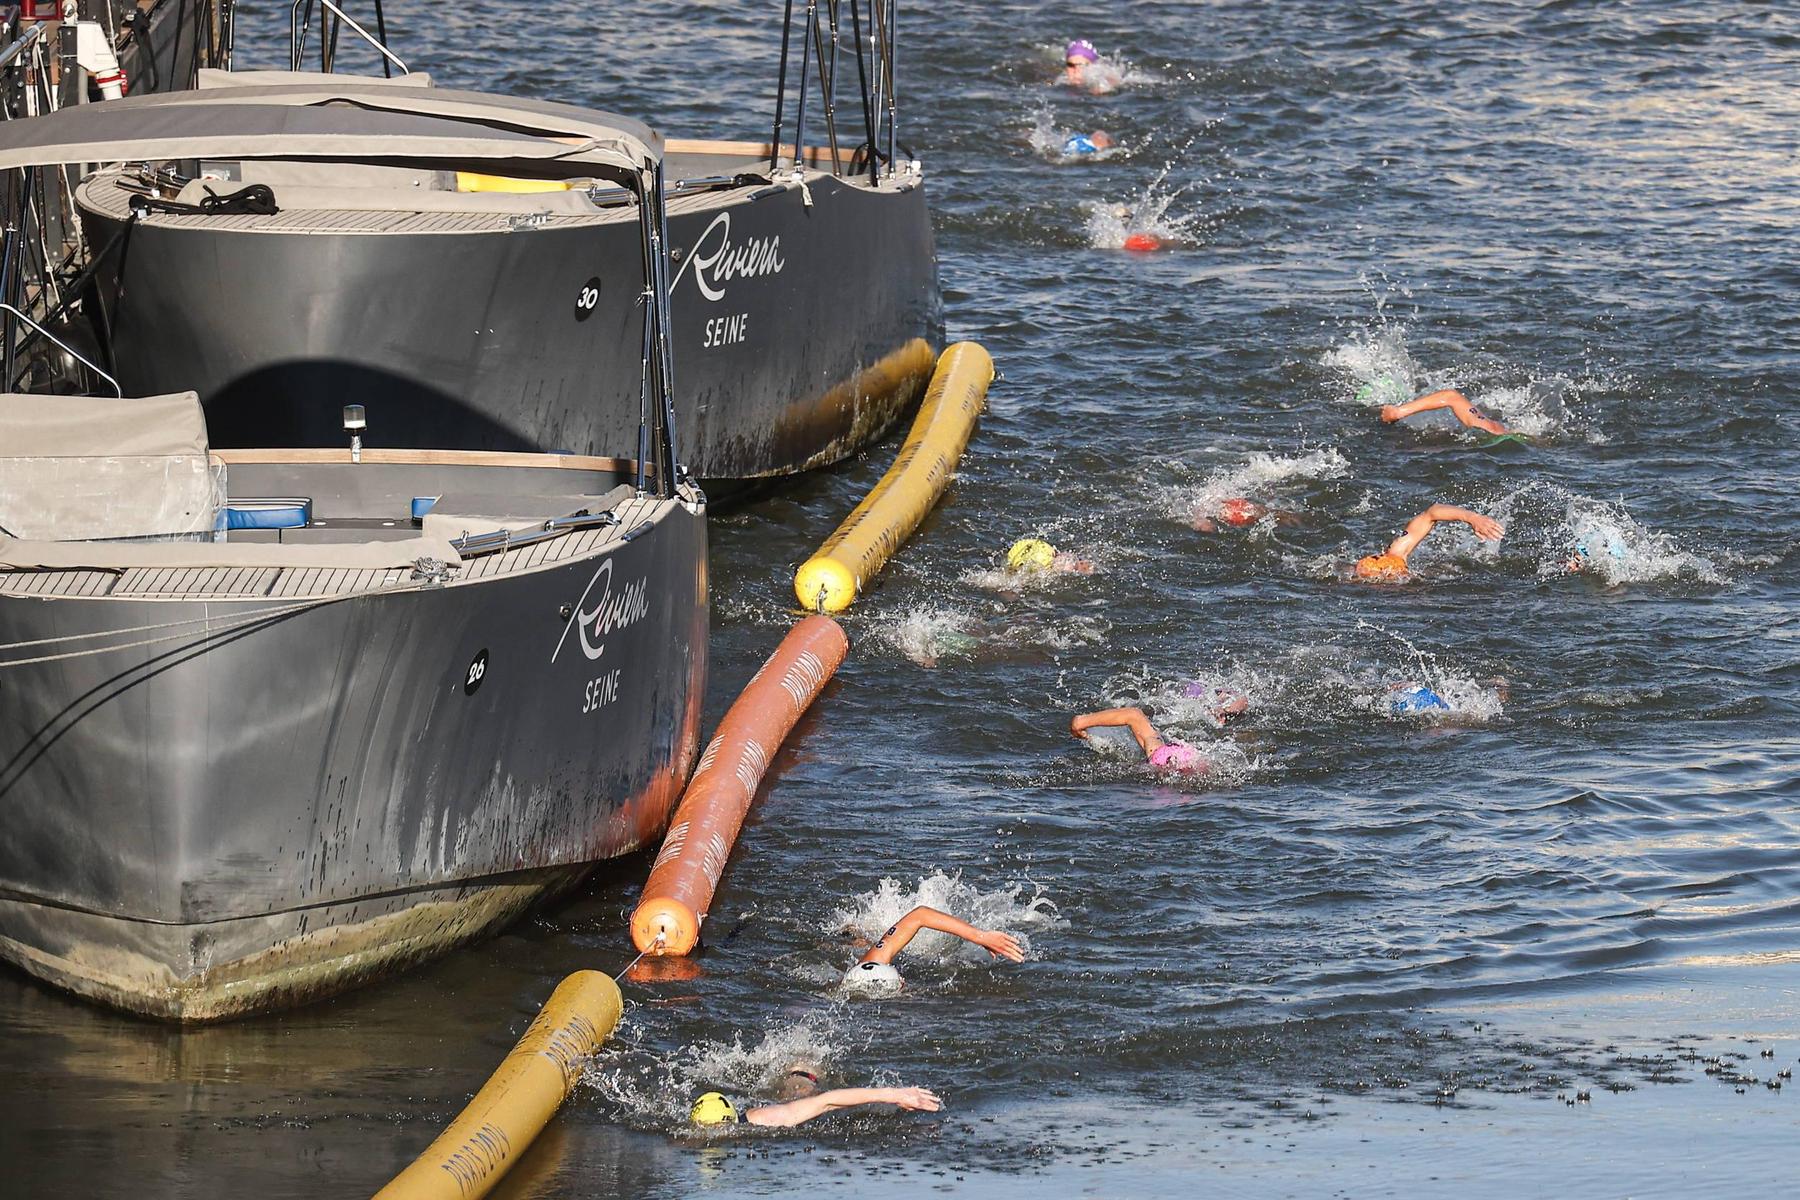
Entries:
{"x":1366,"y":954}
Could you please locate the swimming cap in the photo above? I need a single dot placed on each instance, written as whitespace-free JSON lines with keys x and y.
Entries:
{"x":873,"y":975}
{"x":1030,"y":554}
{"x":1379,"y":389}
{"x":1380,"y":566}
{"x":1177,"y":756}
{"x":1079,"y":143}
{"x":1081,"y":50}
{"x":1416,"y":698}
{"x":1239,"y":511}
{"x":1609,"y":540}
{"x":713,"y":1109}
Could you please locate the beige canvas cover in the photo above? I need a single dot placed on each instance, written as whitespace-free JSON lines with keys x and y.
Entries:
{"x":350,"y":119}
{"x":80,"y":467}
{"x":212,"y":77}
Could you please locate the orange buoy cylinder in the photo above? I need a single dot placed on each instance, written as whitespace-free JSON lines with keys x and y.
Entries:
{"x":706,"y":823}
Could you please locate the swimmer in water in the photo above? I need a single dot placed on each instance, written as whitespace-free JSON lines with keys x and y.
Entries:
{"x":1031,"y":555}
{"x":1239,"y":512}
{"x":876,"y":968}
{"x":1391,"y":564}
{"x":1448,"y":398}
{"x":1165,"y":754}
{"x":1414,"y":700}
{"x":1225,"y":704}
{"x":714,"y":1108}
{"x":1080,"y":145}
{"x":1589,"y":551}
{"x":1077,"y":58}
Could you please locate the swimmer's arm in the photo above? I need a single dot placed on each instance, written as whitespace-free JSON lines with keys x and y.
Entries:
{"x":797,"y":1112}
{"x":1486,"y":528}
{"x":1449,"y":398}
{"x":1001,"y":945}
{"x":1131,"y":718}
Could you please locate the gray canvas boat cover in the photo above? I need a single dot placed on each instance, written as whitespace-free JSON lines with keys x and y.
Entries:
{"x":78,"y":467}
{"x":340,"y":119}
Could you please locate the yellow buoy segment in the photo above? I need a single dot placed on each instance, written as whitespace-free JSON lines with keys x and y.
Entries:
{"x":519,"y":1099}
{"x":832,"y":578}
{"x":473,"y":181}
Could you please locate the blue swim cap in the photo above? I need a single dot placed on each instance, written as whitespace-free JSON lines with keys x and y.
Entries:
{"x":1609,"y":540}
{"x":1079,"y":143}
{"x":1416,"y":698}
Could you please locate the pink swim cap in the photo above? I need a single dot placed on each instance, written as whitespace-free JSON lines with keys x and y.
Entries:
{"x":1178,"y":756}
{"x":1081,"y":50}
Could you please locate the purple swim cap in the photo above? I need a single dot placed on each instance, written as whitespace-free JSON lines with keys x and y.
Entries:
{"x":1081,"y":50}
{"x":1177,"y":755}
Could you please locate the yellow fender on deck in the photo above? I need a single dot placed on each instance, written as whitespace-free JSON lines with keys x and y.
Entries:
{"x":473,"y":181}
{"x":832,"y":578}
{"x":519,"y":1099}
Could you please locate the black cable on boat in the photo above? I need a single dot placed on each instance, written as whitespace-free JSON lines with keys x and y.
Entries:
{"x":812,"y":16}
{"x":73,"y":292}
{"x":387,"y":71}
{"x":862,"y":82}
{"x":787,"y":24}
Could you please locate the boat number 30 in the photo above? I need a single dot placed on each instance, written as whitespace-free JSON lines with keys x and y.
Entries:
{"x":476,"y":673}
{"x":587,"y":299}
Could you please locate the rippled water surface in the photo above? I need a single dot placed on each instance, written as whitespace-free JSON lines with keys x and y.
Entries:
{"x":1367,"y":953}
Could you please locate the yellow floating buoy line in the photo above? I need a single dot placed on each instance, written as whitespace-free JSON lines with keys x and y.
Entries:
{"x":519,"y":1099}
{"x":836,"y":575}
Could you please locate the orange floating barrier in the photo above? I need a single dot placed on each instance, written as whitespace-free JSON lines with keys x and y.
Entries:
{"x":680,"y":888}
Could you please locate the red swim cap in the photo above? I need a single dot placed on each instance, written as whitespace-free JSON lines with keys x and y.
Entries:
{"x":1239,"y":511}
{"x":1142,"y":241}
{"x":1381,"y":566}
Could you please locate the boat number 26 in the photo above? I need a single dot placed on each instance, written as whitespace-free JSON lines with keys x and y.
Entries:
{"x":587,"y":299}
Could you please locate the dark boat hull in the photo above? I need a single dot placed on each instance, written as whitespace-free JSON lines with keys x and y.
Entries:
{"x":801,"y":333}
{"x":244,"y":819}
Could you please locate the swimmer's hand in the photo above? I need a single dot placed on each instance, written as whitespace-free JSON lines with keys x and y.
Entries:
{"x":1000,"y":945}
{"x":1390,"y":413}
{"x":912,"y":1099}
{"x":1486,"y":528}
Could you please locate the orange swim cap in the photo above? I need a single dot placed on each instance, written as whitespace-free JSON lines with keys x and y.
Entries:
{"x":1380,"y":566}
{"x":1238,"y":511}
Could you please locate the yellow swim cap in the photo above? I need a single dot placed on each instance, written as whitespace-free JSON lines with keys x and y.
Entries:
{"x":1030,"y":554}
{"x":713,"y":1109}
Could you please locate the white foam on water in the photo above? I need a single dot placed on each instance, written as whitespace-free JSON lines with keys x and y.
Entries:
{"x":1016,"y":908}
{"x":657,"y":1092}
{"x":1375,"y":366}
{"x":928,"y":634}
{"x":1146,"y":212}
{"x":1619,"y":550}
{"x":1047,"y":140}
{"x":1260,"y":478}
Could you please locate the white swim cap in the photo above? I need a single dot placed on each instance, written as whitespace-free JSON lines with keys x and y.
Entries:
{"x":872,"y":975}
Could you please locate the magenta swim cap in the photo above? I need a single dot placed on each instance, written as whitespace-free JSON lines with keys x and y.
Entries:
{"x":1177,"y":756}
{"x":1081,"y":50}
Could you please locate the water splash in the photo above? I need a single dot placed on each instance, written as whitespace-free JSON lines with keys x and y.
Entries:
{"x":656,"y":1092}
{"x":1610,"y":546}
{"x":1049,"y":141}
{"x":1262,"y":478}
{"x":1146,"y":214}
{"x":1106,"y":75}
{"x":1017,"y":908}
{"x":928,"y":635}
